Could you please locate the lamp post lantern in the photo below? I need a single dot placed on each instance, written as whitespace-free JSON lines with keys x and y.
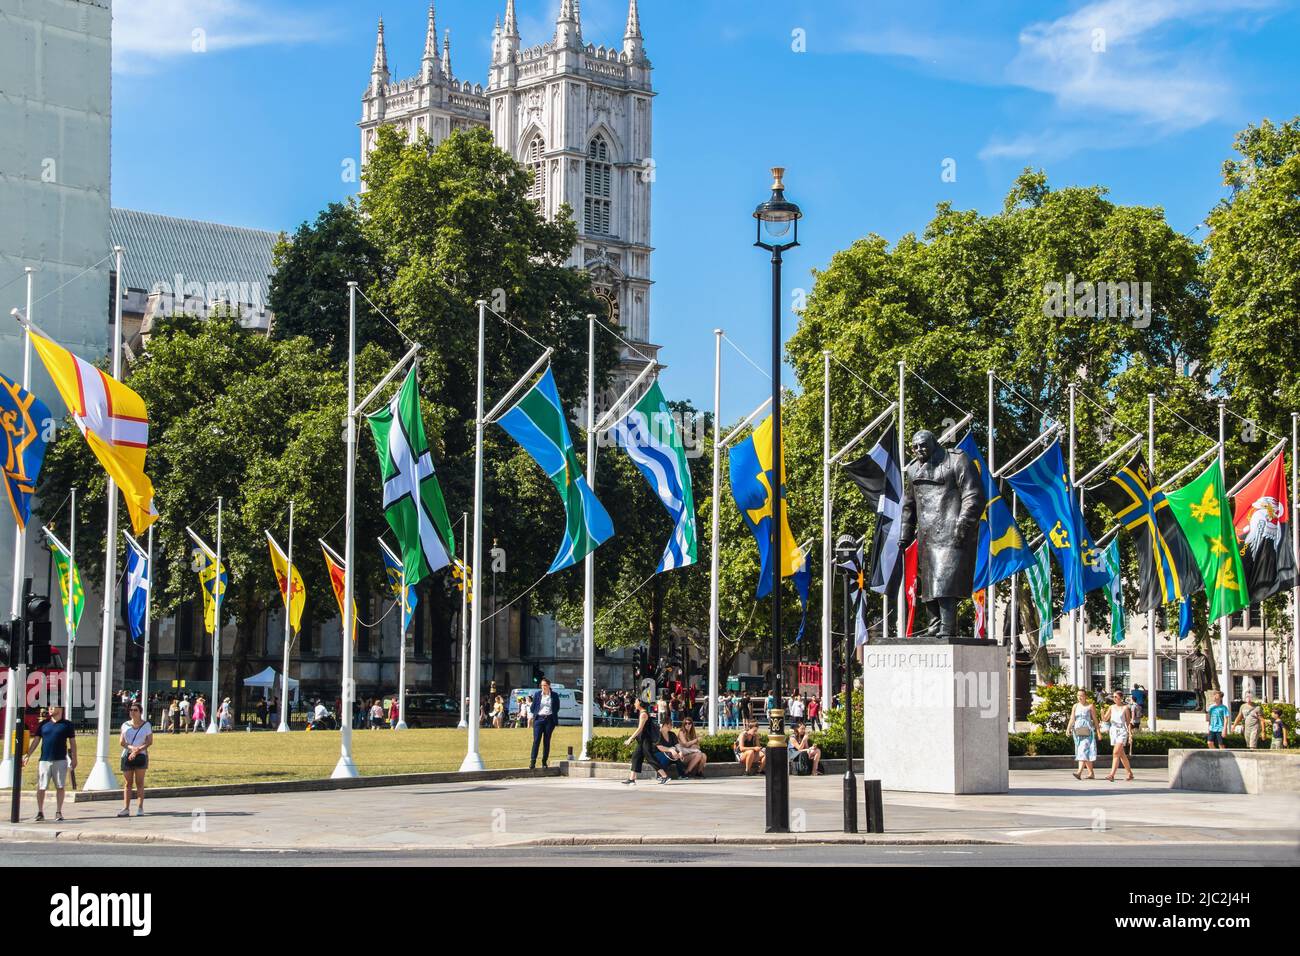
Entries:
{"x":777,"y":222}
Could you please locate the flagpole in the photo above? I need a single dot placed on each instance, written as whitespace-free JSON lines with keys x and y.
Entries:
{"x":288,"y":634}
{"x":714,"y":651}
{"x":902,"y":443}
{"x":464,"y":614}
{"x":20,"y":555}
{"x":346,"y":767}
{"x":828,"y":581}
{"x":148,"y":619}
{"x":1075,"y":640}
{"x":472,"y":759}
{"x":1015,"y":632}
{"x":214,"y":706}
{"x":401,"y":661}
{"x":1295,"y":551}
{"x":990,"y":589}
{"x":1153,"y":679}
{"x":101,"y":776}
{"x":68,"y":610}
{"x":589,"y":563}
{"x":1225,"y":668}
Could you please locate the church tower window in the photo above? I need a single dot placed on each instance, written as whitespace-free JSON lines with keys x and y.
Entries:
{"x":599,"y":189}
{"x":535,"y":163}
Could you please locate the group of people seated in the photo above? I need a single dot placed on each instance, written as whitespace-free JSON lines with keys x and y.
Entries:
{"x":804,"y":757}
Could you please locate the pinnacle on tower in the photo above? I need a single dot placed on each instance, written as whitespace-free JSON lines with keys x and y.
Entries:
{"x":509,"y":34}
{"x":496,"y":41}
{"x":511,"y":25}
{"x":568,"y":26}
{"x":446,"y":54}
{"x":429,"y":63}
{"x":633,"y":45}
{"x":379,"y":72}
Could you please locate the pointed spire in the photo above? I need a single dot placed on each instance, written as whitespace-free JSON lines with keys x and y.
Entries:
{"x":496,"y":41}
{"x":446,"y":54}
{"x":429,"y":62}
{"x":568,"y":26}
{"x":633,"y":47}
{"x":511,"y":29}
{"x":379,"y":71}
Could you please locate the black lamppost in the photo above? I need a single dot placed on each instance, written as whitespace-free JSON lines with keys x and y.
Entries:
{"x":846,"y":552}
{"x":778,"y":230}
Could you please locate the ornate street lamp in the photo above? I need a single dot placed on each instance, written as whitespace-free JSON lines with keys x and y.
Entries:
{"x":778,"y":230}
{"x":846,"y":556}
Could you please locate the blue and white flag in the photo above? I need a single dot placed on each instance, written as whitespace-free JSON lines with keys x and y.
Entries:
{"x":24,"y":417}
{"x":649,"y":436}
{"x":135,"y":590}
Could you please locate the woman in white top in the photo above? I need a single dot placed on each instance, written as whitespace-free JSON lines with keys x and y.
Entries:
{"x":1117,"y":717}
{"x":136,"y":738}
{"x":1083,"y":727}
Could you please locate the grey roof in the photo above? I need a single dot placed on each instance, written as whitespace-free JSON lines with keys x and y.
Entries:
{"x":158,"y":248}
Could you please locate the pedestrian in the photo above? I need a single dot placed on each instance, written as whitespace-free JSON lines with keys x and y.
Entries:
{"x":796,"y":708}
{"x":815,"y":712}
{"x":545,"y":711}
{"x":669,"y":754}
{"x":688,"y":746}
{"x":225,"y":716}
{"x":184,"y":707}
{"x":749,"y":749}
{"x":376,"y":714}
{"x":272,"y":712}
{"x":261,"y":711}
{"x":1250,"y":718}
{"x":200,"y":715}
{"x":174,"y":716}
{"x":1279,"y":740}
{"x":136,"y":738}
{"x":644,"y":737}
{"x":57,"y":739}
{"x":1134,"y":720}
{"x":1119,"y":721}
{"x":1083,"y":727}
{"x":498,"y":712}
{"x":805,"y":757}
{"x":394,"y":713}
{"x":1218,"y":715}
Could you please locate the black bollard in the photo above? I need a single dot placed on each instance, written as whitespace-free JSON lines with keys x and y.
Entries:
{"x":875,"y":807}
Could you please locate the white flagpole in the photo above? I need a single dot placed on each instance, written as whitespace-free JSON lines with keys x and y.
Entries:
{"x":214,"y":706}
{"x":71,"y":673}
{"x":1295,"y":550}
{"x":464,"y":614}
{"x":589,"y":563}
{"x":902,"y":462}
{"x":148,"y":620}
{"x":714,"y":656}
{"x":288,"y":633}
{"x":346,"y":767}
{"x":101,"y":775}
{"x":472,"y":759}
{"x":1225,"y":668}
{"x":1075,"y":640}
{"x":401,"y":666}
{"x":991,"y":590}
{"x":1153,"y":679}
{"x":20,"y":562}
{"x":1015,"y":635}
{"x":828,"y":581}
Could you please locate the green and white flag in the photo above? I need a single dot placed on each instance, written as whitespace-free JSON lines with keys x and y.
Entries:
{"x":70,"y":589}
{"x":413,"y":501}
{"x":650,"y":438}
{"x":1040,"y":585}
{"x":537,"y":422}
{"x":1115,"y":593}
{"x":1205,"y":515}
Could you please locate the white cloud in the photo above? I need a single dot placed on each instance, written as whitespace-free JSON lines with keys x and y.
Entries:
{"x":146,"y":32}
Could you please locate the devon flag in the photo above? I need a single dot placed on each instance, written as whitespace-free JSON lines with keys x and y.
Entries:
{"x":650,"y":439}
{"x":135,"y":589}
{"x":537,"y":423}
{"x":413,"y":503}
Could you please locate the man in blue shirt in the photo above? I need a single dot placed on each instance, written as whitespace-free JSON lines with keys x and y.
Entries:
{"x":1218,"y":715}
{"x":58,"y":742}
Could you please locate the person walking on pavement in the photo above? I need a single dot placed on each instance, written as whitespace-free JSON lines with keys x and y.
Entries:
{"x":58,"y":742}
{"x":1117,"y":717}
{"x":545,"y":709}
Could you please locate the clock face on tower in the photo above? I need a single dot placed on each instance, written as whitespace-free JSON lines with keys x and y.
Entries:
{"x":609,"y":296}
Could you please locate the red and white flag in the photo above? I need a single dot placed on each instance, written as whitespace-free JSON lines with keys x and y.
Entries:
{"x":1262,"y":518}
{"x":909,"y":583}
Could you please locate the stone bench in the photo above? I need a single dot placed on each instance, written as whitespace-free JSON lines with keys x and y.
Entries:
{"x":1235,"y":771}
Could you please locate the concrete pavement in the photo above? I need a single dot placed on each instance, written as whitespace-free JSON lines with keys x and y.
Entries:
{"x":1043,"y":808}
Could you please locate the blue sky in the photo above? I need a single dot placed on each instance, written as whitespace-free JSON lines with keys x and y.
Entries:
{"x":1142,"y":96}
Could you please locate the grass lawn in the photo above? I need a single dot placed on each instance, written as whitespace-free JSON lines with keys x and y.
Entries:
{"x":239,"y":757}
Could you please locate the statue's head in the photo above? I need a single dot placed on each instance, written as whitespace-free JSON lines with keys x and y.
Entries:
{"x":925,"y":447}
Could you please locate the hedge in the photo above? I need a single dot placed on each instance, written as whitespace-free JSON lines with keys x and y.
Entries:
{"x":717,"y":747}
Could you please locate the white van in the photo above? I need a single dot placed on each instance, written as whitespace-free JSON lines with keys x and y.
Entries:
{"x":570,"y":703}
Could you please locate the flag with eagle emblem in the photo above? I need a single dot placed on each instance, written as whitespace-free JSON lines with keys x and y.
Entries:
{"x":1263,"y":521}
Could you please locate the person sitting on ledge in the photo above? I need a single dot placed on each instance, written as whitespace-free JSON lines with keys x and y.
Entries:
{"x":749,"y":749}
{"x":805,"y":756}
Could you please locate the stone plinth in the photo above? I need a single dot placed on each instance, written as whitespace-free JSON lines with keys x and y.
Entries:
{"x":936,"y":715}
{"x":1235,"y":771}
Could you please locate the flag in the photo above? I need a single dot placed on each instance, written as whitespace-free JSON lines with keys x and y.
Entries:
{"x":212,"y":585}
{"x":909,"y":583}
{"x":1202,"y":510}
{"x":1040,"y":586}
{"x":413,"y":504}
{"x":112,"y":419}
{"x":649,"y":436}
{"x":24,"y":416}
{"x":460,"y":574}
{"x":338,"y":571}
{"x":397,"y":585}
{"x":1263,"y":518}
{"x":1044,"y":487}
{"x":1001,"y":550}
{"x":980,"y":599}
{"x":802,"y":579}
{"x":1184,"y":617}
{"x":1115,"y":592}
{"x":1166,"y":568}
{"x":292,"y":590}
{"x":856,"y":581}
{"x":71,"y":591}
{"x":880,"y":478}
{"x":537,"y":423}
{"x":751,"y":486}
{"x":135,"y":590}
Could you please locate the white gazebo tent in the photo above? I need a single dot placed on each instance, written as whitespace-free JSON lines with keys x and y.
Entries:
{"x":269,"y":679}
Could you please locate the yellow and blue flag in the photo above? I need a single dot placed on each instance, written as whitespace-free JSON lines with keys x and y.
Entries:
{"x":212,"y":584}
{"x":397,"y":585}
{"x":1052,"y":501}
{"x":1002,"y":550}
{"x":751,"y":486}
{"x":24,"y":416}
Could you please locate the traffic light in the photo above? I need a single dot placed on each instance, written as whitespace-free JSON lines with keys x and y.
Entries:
{"x":640,"y":663}
{"x":538,"y":674}
{"x":5,"y":645}
{"x":39,"y":631}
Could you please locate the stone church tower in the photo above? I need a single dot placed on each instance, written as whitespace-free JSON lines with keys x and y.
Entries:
{"x":579,"y":116}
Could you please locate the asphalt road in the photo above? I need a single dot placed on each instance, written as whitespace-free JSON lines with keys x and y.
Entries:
{"x":1211,"y":854}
